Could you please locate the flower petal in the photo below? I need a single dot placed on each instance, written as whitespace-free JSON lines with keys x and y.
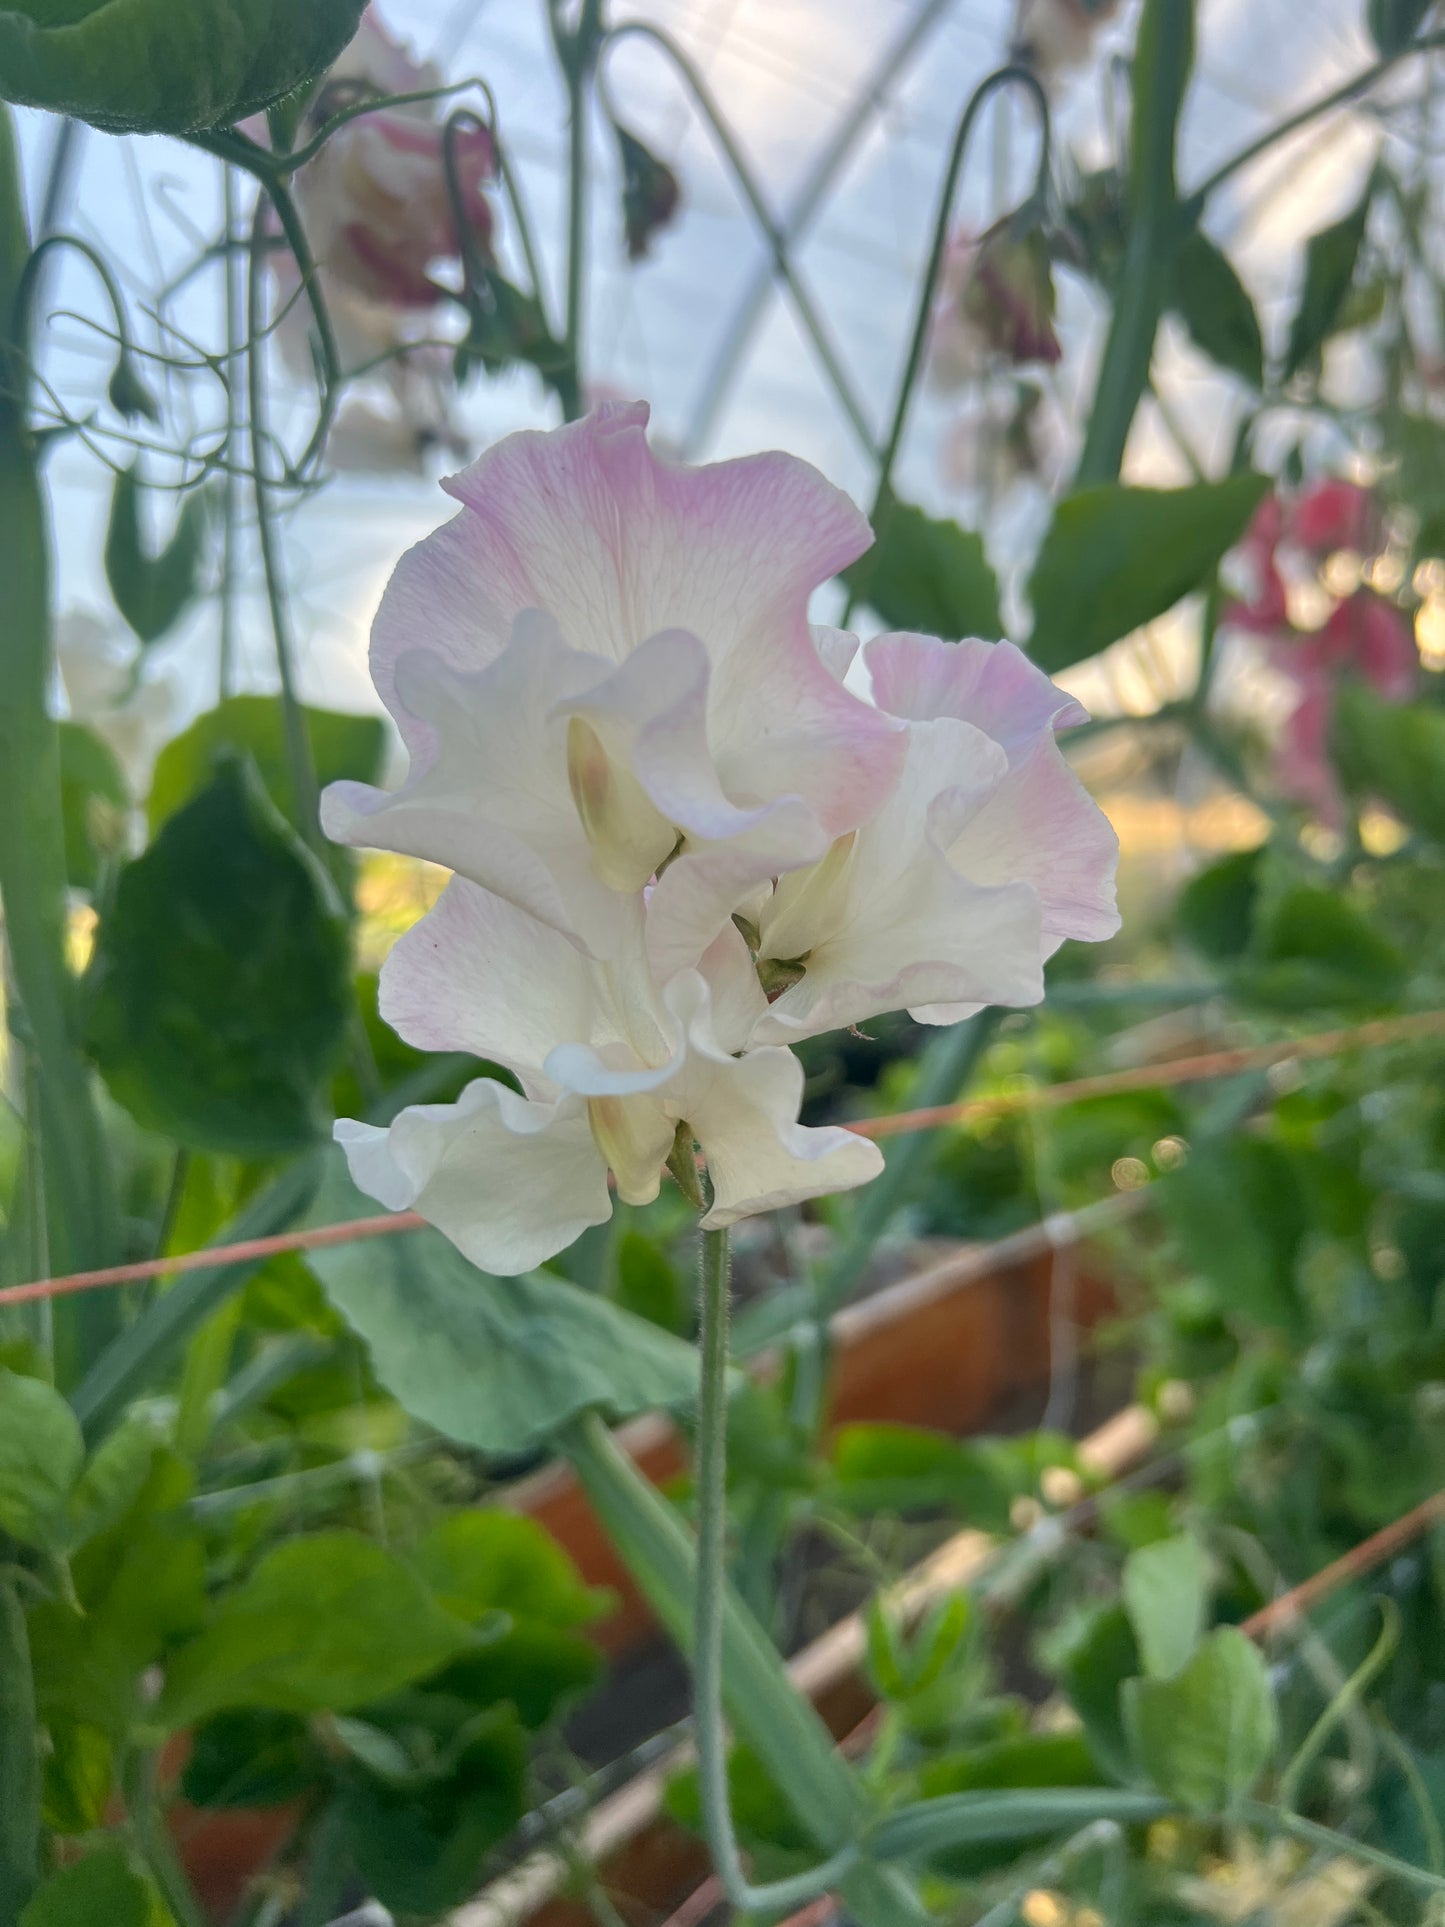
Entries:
{"x":992,"y":685}
{"x":509,"y":1181}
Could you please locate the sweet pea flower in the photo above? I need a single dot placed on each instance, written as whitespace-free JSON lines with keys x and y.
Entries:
{"x":375,"y":200}
{"x":110,"y":685}
{"x":986,"y":856}
{"x":1055,"y":37}
{"x":1330,"y":515}
{"x":615,"y":1070}
{"x":996,"y":297}
{"x":603,"y":673}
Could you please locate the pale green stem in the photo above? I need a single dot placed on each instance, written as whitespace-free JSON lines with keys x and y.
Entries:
{"x":707,"y":1657}
{"x":231,"y":533}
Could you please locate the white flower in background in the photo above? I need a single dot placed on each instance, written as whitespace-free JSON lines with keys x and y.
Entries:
{"x":610,"y":1065}
{"x":987,"y":855}
{"x":114,"y":690}
{"x":687,"y":829}
{"x":1056,"y":37}
{"x":602,"y":670}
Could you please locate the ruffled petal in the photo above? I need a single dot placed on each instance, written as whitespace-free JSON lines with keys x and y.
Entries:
{"x":992,"y":685}
{"x":509,"y":1181}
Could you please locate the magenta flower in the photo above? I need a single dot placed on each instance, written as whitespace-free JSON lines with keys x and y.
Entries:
{"x":1330,"y":515}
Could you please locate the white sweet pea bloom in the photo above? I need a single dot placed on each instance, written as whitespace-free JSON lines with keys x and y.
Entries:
{"x":610,"y":1064}
{"x":113,"y":689}
{"x":986,"y":856}
{"x":602,"y":671}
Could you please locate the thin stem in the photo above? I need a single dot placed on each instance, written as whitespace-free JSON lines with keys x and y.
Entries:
{"x":923,"y":313}
{"x":1275,"y":1820}
{"x":1337,"y":97}
{"x":577,"y":52}
{"x":298,"y":744}
{"x":148,"y":1829}
{"x":768,"y":226}
{"x":233,"y":268}
{"x":707,"y":1658}
{"x":19,"y":1761}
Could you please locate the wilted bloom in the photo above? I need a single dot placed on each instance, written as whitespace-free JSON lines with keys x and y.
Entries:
{"x":987,"y":855}
{"x":375,"y":201}
{"x":681,"y":838}
{"x":651,"y":194}
{"x":996,"y":298}
{"x":610,"y":1064}
{"x":1056,"y":36}
{"x":602,"y":670}
{"x":111,"y":687}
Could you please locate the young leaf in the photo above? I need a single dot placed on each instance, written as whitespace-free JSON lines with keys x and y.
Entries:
{"x":1205,"y":1735}
{"x":1215,"y":308}
{"x":1115,"y":557}
{"x":324,"y":1623}
{"x":928,"y":575}
{"x":1330,"y":260}
{"x":499,"y":1363}
{"x":1165,"y":1594}
{"x":41,"y":1453}
{"x":221,"y":976}
{"x":153,"y":591}
{"x":341,"y":746}
{"x":166,"y":66}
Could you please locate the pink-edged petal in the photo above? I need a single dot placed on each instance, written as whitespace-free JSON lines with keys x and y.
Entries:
{"x":1040,"y":826}
{"x":478,"y":974}
{"x":837,"y":650}
{"x":992,"y":685}
{"x":509,"y":1181}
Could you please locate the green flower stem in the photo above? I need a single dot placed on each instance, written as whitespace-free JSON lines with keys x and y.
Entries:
{"x":771,"y":232}
{"x":766,"y":1709}
{"x":923,"y":313}
{"x":708,"y":1607}
{"x":232,"y":268}
{"x":577,"y":55}
{"x":300,"y":765}
{"x":1163,"y":56}
{"x":153,"y":1841}
{"x":19,"y":1762}
{"x":32,"y":848}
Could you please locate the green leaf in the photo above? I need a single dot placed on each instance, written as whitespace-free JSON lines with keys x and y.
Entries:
{"x":1417,"y":481}
{"x":1165,"y":1590}
{"x":1331,"y":257}
{"x":103,"y":1890}
{"x":649,"y":1285}
{"x":906,"y":1468}
{"x":1215,"y":911}
{"x":252,"y":1757}
{"x":1205,"y":1736}
{"x":1092,"y":1668}
{"x":486,"y":1560}
{"x":928,"y":575}
{"x":341,"y":746}
{"x":94,"y":802}
{"x":1239,"y":1216}
{"x":498,"y":1363}
{"x":1395,"y":751}
{"x":221,"y":977}
{"x":41,"y":1453}
{"x":419,"y":1845}
{"x":1313,"y":947}
{"x":1115,"y":557}
{"x":153,"y":591}
{"x":1393,"y":24}
{"x":166,"y":66}
{"x":323,"y":1623}
{"x":1215,"y":308}
{"x":111,"y":1482}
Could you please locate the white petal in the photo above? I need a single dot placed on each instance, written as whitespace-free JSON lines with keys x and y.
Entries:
{"x":509,"y":1181}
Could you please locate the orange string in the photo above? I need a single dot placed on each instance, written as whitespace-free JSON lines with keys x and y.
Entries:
{"x":1181,"y":1070}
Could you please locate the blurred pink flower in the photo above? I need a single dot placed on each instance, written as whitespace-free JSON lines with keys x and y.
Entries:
{"x":1264,"y":609}
{"x":996,"y":297}
{"x":1365,"y":636}
{"x":1330,"y":515}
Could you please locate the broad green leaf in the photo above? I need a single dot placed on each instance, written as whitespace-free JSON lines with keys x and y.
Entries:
{"x":41,"y":1453}
{"x":221,"y":978}
{"x":1239,"y":1216}
{"x":1165,"y":1590}
{"x":153,"y":590}
{"x":102,"y":1890}
{"x":1092,"y":1668}
{"x":251,"y":1757}
{"x":419,"y":1845}
{"x":341,"y":746}
{"x":487,"y":1560}
{"x":649,"y":1284}
{"x":1214,"y":307}
{"x":1312,"y":947}
{"x":1331,"y":257}
{"x":928,"y":575}
{"x":111,"y":1482}
{"x":94,"y":802}
{"x":498,"y":1363}
{"x":1204,"y":1736}
{"x":166,"y":66}
{"x":324,"y":1623}
{"x":1115,"y":557}
{"x":1215,"y":910}
{"x":1393,"y":24}
{"x":1395,"y":751}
